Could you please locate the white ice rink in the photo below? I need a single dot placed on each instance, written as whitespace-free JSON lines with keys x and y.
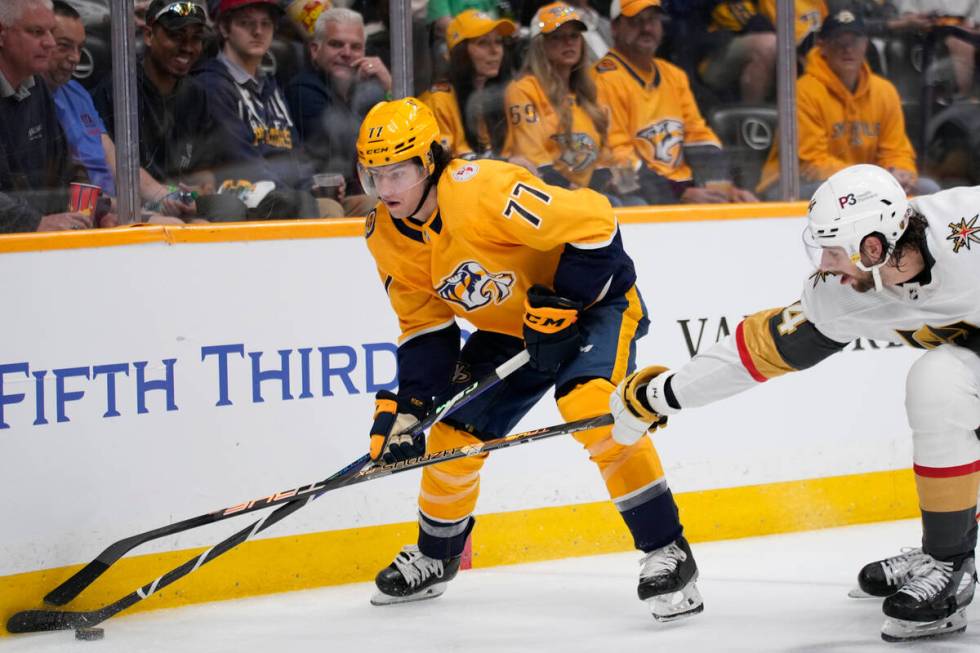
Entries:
{"x":781,"y":593}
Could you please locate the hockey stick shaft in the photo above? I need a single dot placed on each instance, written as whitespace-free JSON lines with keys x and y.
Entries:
{"x":88,"y":574}
{"x":42,"y":620}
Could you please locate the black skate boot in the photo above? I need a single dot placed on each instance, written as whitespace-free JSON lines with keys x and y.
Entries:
{"x":413,"y":577}
{"x":884,"y":577}
{"x":667,"y":582}
{"x":932,"y":602}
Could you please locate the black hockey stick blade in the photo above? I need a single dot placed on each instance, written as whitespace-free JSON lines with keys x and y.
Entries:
{"x":30,"y":621}
{"x":80,"y":580}
{"x":37,"y":621}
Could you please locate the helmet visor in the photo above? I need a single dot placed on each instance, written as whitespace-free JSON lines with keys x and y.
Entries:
{"x":391,"y":180}
{"x":813,"y":249}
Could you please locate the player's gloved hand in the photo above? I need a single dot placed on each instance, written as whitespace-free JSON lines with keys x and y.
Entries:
{"x":630,"y":405}
{"x":551,"y":334}
{"x":393,"y":417}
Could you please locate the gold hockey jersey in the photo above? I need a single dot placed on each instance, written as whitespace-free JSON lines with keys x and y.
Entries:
{"x":497,"y":231}
{"x":653,"y":116}
{"x":534,"y":127}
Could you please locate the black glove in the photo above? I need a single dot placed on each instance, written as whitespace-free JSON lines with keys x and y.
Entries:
{"x":393,"y":417}
{"x":551,"y":334}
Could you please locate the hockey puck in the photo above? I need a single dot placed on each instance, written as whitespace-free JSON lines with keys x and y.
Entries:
{"x":89,"y":634}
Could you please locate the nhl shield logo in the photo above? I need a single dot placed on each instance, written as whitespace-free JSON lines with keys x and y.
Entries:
{"x":472,"y":286}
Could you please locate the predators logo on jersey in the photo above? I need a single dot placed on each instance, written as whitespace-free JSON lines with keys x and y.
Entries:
{"x":472,"y":286}
{"x":667,"y":139}
{"x":578,"y":150}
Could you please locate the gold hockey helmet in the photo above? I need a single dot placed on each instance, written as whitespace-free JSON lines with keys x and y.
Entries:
{"x":396,"y":131}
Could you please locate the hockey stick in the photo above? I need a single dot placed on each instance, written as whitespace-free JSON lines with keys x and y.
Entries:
{"x":88,"y":574}
{"x":30,"y":621}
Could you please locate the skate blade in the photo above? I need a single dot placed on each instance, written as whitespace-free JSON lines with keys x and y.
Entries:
{"x":431,"y":592}
{"x":676,"y":605}
{"x":900,"y":630}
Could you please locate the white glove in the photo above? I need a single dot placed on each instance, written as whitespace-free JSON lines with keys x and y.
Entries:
{"x":633,"y":417}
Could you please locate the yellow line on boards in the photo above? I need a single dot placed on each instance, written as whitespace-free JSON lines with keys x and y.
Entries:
{"x":355,"y":555}
{"x":345,"y":227}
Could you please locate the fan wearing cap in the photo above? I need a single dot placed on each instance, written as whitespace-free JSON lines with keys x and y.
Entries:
{"x":180,"y":145}
{"x":556,"y":121}
{"x":441,"y":12}
{"x":655,"y":127}
{"x":846,"y":114}
{"x":267,"y":168}
{"x":532,"y":267}
{"x":89,"y":141}
{"x":469,"y":107}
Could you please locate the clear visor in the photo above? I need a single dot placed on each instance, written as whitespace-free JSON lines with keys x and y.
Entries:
{"x":815,"y":251}
{"x":392,"y":180}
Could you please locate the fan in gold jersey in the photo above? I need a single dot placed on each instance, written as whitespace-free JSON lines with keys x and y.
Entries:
{"x":556,"y":121}
{"x":469,"y":105}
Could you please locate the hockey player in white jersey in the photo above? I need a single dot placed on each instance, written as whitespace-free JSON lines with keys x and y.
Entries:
{"x":889,"y":269}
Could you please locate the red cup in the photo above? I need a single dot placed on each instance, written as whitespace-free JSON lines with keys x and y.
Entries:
{"x":82,"y":198}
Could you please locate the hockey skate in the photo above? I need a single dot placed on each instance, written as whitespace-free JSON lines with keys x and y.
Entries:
{"x":884,"y":577}
{"x":413,"y":576}
{"x":932,"y":602}
{"x":668,"y":582}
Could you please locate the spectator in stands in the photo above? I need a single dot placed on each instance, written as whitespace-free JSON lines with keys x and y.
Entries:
{"x":964,"y":14}
{"x":34,"y":162}
{"x":180,"y":146}
{"x":556,"y":122}
{"x":329,"y":101}
{"x":655,"y":127}
{"x":742,"y":51}
{"x":846,"y":115}
{"x":470,"y":107}
{"x":266,"y":166}
{"x":88,"y":141}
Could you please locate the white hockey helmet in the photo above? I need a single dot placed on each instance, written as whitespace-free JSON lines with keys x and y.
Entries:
{"x":854,"y":203}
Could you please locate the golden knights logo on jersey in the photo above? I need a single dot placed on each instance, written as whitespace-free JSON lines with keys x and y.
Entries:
{"x":473,"y":286}
{"x":667,"y":139}
{"x":578,"y":150}
{"x":964,"y":233}
{"x":930,"y":337}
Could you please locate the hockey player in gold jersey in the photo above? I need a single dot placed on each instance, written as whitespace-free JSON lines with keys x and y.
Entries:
{"x":655,"y":126}
{"x":527,"y":264}
{"x":894,"y":270}
{"x":469,"y":106}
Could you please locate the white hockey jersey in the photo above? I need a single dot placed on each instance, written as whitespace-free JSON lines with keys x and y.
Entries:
{"x":941,"y":305}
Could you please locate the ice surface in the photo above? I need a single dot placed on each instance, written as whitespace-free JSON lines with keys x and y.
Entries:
{"x":780,"y":593}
